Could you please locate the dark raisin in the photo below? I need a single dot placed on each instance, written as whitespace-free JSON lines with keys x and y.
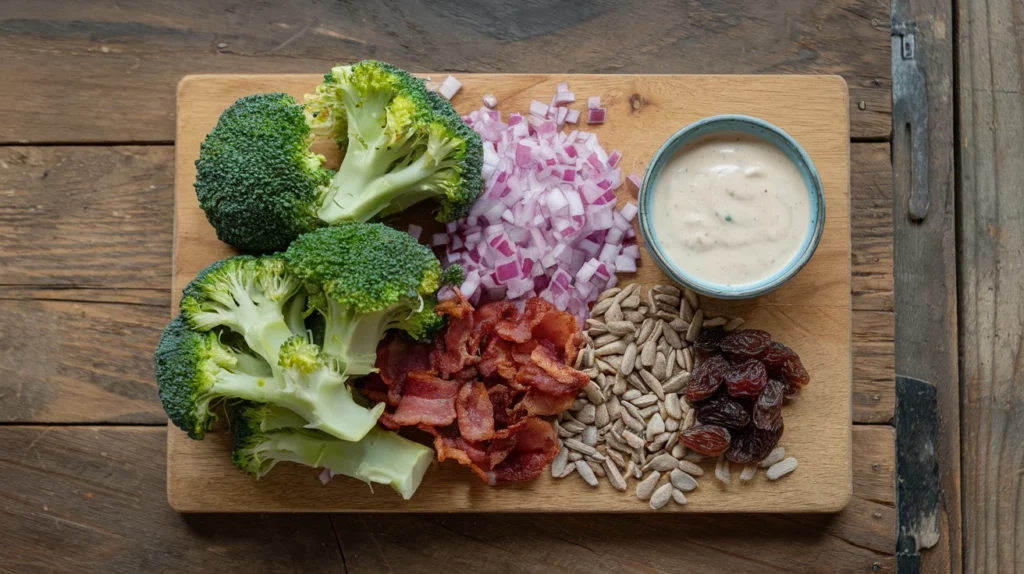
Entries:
{"x":753,"y":444}
{"x":707,"y":440}
{"x":775,"y":357}
{"x":746,"y":379}
{"x":768,"y":407}
{"x":721,"y":410}
{"x":795,"y":373}
{"x":749,"y":343}
{"x":706,"y":378}
{"x":708,"y":341}
{"x":783,"y":363}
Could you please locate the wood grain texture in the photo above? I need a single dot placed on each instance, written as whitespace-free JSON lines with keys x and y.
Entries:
{"x":91,"y":499}
{"x":924,"y":254}
{"x":991,"y":248}
{"x":122,"y":61}
{"x":811,"y":313}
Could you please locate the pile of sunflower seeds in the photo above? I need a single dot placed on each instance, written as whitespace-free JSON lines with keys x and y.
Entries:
{"x":625,"y":423}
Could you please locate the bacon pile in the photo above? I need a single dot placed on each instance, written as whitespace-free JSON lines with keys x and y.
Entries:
{"x":483,"y":385}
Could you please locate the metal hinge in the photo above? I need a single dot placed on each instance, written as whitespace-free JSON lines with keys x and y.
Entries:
{"x":910,"y":112}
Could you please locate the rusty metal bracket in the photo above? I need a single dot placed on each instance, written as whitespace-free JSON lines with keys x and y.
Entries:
{"x":910,"y":113}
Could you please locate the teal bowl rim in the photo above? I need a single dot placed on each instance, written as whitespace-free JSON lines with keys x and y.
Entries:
{"x":774,"y":135}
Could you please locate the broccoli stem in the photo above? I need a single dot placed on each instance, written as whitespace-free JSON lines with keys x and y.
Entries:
{"x":351,"y":338}
{"x":323,"y":396}
{"x":359,"y":194}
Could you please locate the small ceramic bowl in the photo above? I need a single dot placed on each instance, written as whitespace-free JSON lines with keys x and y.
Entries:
{"x":771,"y":134}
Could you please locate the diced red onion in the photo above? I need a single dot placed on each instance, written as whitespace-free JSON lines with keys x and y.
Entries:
{"x":490,"y":101}
{"x":593,"y":102}
{"x":415,"y":231}
{"x":439,"y":239}
{"x":595,"y":116}
{"x":325,"y":476}
{"x":629,"y":211}
{"x":449,"y":87}
{"x":539,"y":109}
{"x":562,"y":87}
{"x":635,"y":179}
{"x":623,"y":264}
{"x":566,"y":97}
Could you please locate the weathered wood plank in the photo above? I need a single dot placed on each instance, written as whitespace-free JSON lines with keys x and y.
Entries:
{"x":991,"y":246}
{"x":85,"y":217}
{"x":91,"y":499}
{"x":124,"y":61}
{"x":925,"y":270}
{"x":860,"y":539}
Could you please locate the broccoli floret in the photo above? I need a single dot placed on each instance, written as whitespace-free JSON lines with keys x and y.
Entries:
{"x":256,"y":178}
{"x":404,"y":144}
{"x":366,"y":278}
{"x":249,"y":296}
{"x":195,"y":369}
{"x":267,"y":434}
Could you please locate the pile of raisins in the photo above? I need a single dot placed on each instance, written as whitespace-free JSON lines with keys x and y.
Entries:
{"x":737,"y":389}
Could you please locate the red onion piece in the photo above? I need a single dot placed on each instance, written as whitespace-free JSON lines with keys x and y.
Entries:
{"x":593,"y":102}
{"x":595,"y":116}
{"x":490,"y":101}
{"x":415,"y":231}
{"x":449,"y":87}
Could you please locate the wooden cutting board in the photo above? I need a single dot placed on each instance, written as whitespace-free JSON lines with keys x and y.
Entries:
{"x":811,"y":313}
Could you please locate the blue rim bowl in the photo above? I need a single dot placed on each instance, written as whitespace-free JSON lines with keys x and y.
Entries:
{"x":775,"y":136}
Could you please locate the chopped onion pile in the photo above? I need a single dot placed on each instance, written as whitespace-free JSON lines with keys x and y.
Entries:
{"x":546,"y":222}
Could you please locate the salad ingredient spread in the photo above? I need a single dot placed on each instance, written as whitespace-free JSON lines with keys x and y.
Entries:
{"x":483,"y":385}
{"x":730,"y":209}
{"x":646,"y":356}
{"x":242,"y":334}
{"x":546,"y":223}
{"x":261,"y":186}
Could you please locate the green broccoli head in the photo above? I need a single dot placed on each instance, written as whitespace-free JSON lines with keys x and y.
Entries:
{"x":404,"y":145}
{"x":195,"y":369}
{"x":366,"y":278}
{"x":267,"y":434}
{"x":256,"y":178}
{"x":248,"y":295}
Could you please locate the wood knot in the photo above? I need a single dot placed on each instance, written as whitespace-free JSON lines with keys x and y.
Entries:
{"x":636,"y":101}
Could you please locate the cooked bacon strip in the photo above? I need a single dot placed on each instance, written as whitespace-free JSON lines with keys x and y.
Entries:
{"x":475,"y":412}
{"x":556,"y":367}
{"x":427,"y":400}
{"x":396,"y":358}
{"x":540,"y":404}
{"x":454,"y":351}
{"x":496,"y":359}
{"x":536,"y":446}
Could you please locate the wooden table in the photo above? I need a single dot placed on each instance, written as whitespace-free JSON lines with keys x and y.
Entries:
{"x":86,"y":167}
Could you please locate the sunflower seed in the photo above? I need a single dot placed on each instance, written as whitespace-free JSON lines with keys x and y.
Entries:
{"x":616,"y":347}
{"x":632,"y":439}
{"x":681,"y":480}
{"x":670,"y":364}
{"x":673,"y":437}
{"x":685,"y":310}
{"x":691,"y":417}
{"x":598,"y":330}
{"x":616,"y":457}
{"x":631,"y":302}
{"x":694,"y":330}
{"x":631,"y":395}
{"x":601,"y":417}
{"x":574,"y":456}
{"x":672,"y":406}
{"x":688,"y":359}
{"x":601,"y":307}
{"x":665,"y":316}
{"x":614,"y":476}
{"x":609,"y":293}
{"x":671,"y":337}
{"x":620,"y":328}
{"x":577,"y":405}
{"x":646,"y":412}
{"x":627,"y":291}
{"x":679,"y":451}
{"x":638,"y":365}
{"x":748,"y":472}
{"x":628,"y":359}
{"x":589,"y":436}
{"x":561,"y":459}
{"x":594,"y":394}
{"x":591,"y":371}
{"x":645,"y":400}
{"x":734,"y":324}
{"x":633,"y":410}
{"x":597,"y":467}
{"x":638,"y":383}
{"x":668,"y":309}
{"x":693,"y":457}
{"x":646,"y":328}
{"x":635,"y":317}
{"x":619,"y":386}
{"x":670,"y":300}
{"x":773,"y":457}
{"x":618,"y":426}
{"x":587,"y":414}
{"x":661,"y":463}
{"x":653,"y":383}
{"x":652,"y":303}
{"x":616,"y":444}
{"x":722,"y":469}
{"x":570,"y":468}
{"x":614,"y":313}
{"x":588,"y":358}
{"x":655,"y":426}
{"x":678,"y":325}
{"x":565,"y":433}
{"x":615,"y":362}
{"x":604,"y":367}
{"x":671,"y":424}
{"x":579,"y":446}
{"x":633,"y":423}
{"x":646,"y":487}
{"x":678,"y":496}
{"x":631,"y":469}
{"x":661,"y":496}
{"x":649,"y":352}
{"x":714,"y":322}
{"x":661,"y":409}
{"x":578,"y":362}
{"x":663,"y":349}
{"x":659,"y":442}
{"x":586,"y":472}
{"x":667,"y":289}
{"x":658,"y":370}
{"x":676,"y":382}
{"x":781,"y":468}
{"x":691,"y":297}
{"x":690,"y":468}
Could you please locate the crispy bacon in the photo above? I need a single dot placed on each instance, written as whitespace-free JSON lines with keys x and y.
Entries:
{"x":396,"y":358}
{"x":497,"y":359}
{"x":475,"y":412}
{"x":427,"y":400}
{"x":536,"y":445}
{"x":452,"y":352}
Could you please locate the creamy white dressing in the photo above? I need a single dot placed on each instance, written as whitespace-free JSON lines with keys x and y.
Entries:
{"x":730,"y":209}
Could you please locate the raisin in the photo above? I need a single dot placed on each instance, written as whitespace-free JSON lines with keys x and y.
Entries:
{"x":795,"y":373}
{"x":746,"y":379}
{"x":708,"y":341}
{"x":753,"y":445}
{"x":750,"y":343}
{"x":706,"y":378}
{"x":783,"y":363}
{"x":775,"y":357}
{"x":707,"y":440}
{"x":768,"y":407}
{"x":721,"y":410}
